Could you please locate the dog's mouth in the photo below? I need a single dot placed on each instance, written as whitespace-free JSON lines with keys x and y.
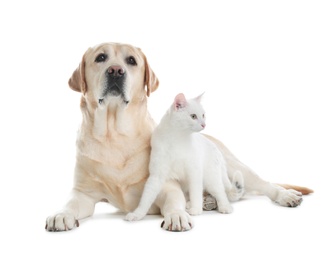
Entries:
{"x":113,"y":90}
{"x":114,"y":87}
{"x":101,"y":101}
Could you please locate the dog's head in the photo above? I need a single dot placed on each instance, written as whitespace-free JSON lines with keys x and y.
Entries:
{"x":113,"y":71}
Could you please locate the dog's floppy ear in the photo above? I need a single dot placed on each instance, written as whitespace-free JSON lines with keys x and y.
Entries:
{"x":151,"y":80}
{"x":78,"y":80}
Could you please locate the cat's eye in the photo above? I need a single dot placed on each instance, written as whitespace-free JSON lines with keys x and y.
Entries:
{"x":193,"y":116}
{"x":203,"y":115}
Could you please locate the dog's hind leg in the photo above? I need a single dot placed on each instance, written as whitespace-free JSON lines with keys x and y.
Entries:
{"x":253,"y":183}
{"x":278,"y":194}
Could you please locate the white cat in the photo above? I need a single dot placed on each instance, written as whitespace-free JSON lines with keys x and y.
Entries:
{"x":181,"y":153}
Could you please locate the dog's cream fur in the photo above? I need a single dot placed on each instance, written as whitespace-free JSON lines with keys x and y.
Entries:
{"x":113,"y":147}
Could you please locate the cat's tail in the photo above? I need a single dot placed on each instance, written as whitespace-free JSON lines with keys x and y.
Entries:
{"x":237,"y":190}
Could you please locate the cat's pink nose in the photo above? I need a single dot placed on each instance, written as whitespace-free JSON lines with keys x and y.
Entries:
{"x":203,"y":125}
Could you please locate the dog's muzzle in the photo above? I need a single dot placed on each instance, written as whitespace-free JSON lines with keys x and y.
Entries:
{"x":115,"y":83}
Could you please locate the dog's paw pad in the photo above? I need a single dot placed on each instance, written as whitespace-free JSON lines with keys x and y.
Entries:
{"x":289,"y":198}
{"x":177,"y":221}
{"x":61,"y":222}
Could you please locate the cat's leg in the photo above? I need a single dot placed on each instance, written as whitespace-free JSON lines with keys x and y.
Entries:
{"x":172,"y":204}
{"x":151,"y":190}
{"x":195,"y":184}
{"x":223,"y":204}
{"x":214,"y":185}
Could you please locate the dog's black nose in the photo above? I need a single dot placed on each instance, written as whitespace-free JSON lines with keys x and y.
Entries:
{"x":116,"y":71}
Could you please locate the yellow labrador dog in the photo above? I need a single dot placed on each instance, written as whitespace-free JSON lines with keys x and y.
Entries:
{"x":113,"y":145}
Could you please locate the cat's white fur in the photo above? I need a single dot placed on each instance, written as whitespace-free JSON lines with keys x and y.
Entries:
{"x":181,"y":153}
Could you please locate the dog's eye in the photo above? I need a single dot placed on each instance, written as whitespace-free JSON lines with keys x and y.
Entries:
{"x":193,"y":116}
{"x":131,"y":60}
{"x":101,"y":57}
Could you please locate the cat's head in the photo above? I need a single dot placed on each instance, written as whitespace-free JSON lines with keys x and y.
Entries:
{"x":188,"y":114}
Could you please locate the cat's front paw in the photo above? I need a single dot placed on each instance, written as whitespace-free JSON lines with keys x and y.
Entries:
{"x":132,"y":216}
{"x":226,"y":209}
{"x":195,"y":211}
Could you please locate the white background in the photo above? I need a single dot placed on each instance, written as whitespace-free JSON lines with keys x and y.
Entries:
{"x":267,"y":70}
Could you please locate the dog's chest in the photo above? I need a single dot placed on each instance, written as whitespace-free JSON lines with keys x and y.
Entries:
{"x":120,"y":163}
{"x":113,"y":174}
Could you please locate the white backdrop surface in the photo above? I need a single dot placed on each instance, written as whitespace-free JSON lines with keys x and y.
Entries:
{"x":267,"y":70}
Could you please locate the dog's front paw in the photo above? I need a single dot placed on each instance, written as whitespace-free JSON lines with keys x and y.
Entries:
{"x":177,"y":221}
{"x":289,"y":198}
{"x":61,"y":222}
{"x":132,"y":216}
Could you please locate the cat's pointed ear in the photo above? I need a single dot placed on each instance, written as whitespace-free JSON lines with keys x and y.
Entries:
{"x":180,"y":101}
{"x":200,"y":97}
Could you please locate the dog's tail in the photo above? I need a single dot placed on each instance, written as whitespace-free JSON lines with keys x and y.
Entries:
{"x":303,"y":190}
